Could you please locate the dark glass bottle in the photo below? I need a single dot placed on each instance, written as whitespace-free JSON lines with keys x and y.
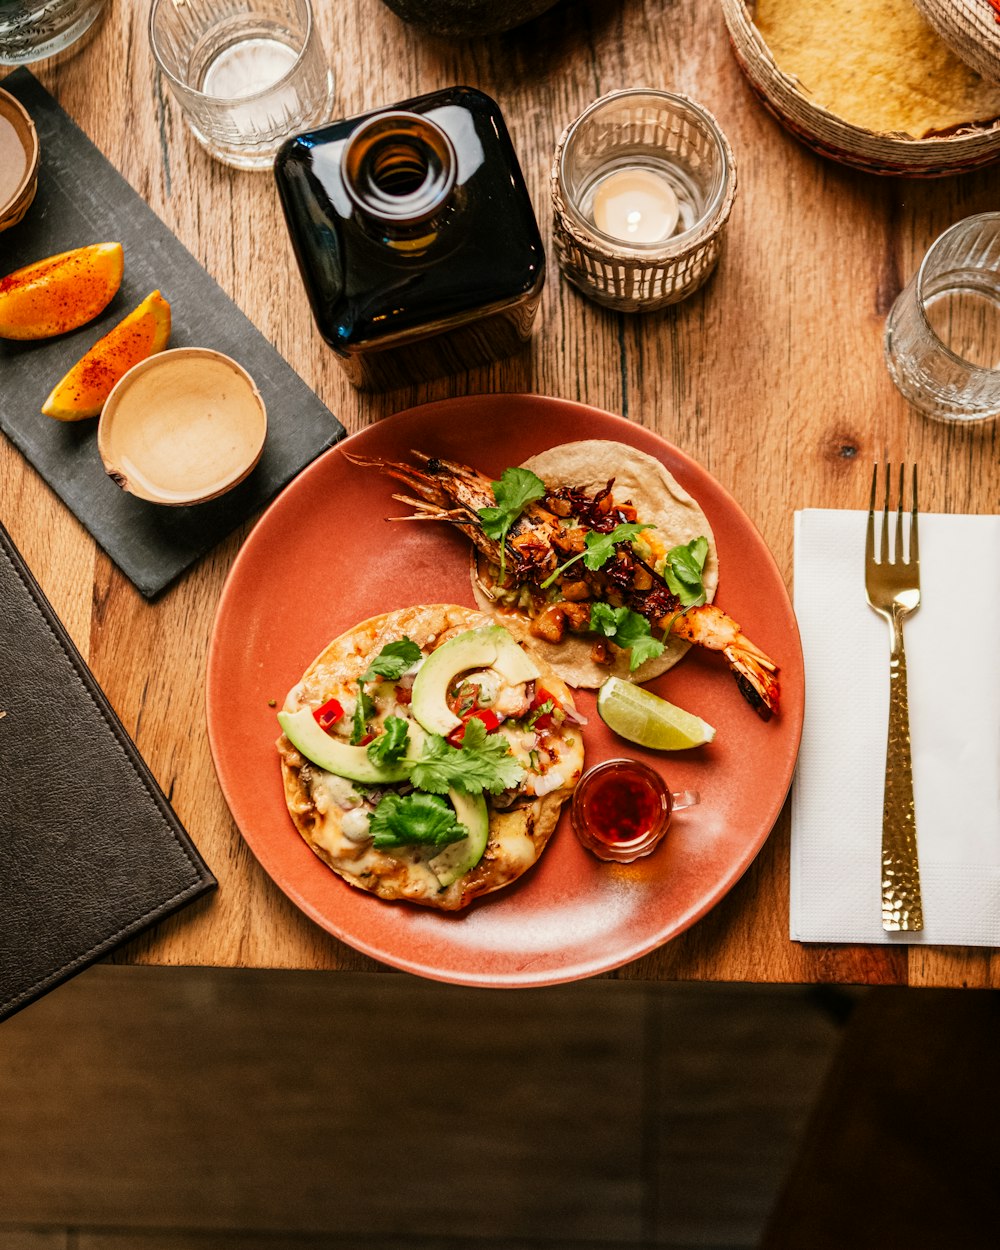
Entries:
{"x":415,"y":237}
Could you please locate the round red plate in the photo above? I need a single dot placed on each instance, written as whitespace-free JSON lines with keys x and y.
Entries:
{"x":323,"y":557}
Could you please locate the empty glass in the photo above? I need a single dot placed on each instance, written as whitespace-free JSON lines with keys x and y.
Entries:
{"x":247,"y":73}
{"x":942,"y":337}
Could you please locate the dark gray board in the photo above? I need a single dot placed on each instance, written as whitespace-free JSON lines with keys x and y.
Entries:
{"x":83,"y":199}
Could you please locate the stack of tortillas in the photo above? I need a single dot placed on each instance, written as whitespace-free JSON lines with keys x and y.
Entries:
{"x":872,"y":83}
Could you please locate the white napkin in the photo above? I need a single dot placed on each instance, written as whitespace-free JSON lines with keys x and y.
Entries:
{"x":953,"y":662}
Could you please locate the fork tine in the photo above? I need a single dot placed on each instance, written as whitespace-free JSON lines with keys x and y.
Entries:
{"x":898,"y":557}
{"x":914,"y":543}
{"x":870,"y":531}
{"x":883,"y":554}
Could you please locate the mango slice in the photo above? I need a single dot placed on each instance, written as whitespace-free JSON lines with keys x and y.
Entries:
{"x":60,"y":292}
{"x":84,"y":390}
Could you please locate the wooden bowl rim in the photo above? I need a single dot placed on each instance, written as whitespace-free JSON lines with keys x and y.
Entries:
{"x":14,"y":111}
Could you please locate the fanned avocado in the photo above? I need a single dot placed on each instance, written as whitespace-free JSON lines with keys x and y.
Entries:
{"x":461,"y":857}
{"x":334,"y":756}
{"x":488,"y":647}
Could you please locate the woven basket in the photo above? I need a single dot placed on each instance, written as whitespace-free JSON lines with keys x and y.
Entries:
{"x":624,"y":278}
{"x":841,"y":141}
{"x":18,"y":204}
{"x":970,"y":28}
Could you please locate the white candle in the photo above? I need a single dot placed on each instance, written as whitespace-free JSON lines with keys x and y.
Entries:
{"x":636,"y":205}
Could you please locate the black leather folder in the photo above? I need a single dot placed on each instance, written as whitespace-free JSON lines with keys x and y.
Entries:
{"x":91,"y":852}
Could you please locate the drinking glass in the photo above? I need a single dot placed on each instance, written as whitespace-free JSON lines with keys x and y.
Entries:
{"x":642,"y":186}
{"x":246,"y":73}
{"x":33,"y":29}
{"x":942,"y":336}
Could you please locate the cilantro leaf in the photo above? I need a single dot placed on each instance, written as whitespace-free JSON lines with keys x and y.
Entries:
{"x":390,"y":746}
{"x":635,"y":635}
{"x":628,"y":630}
{"x":515,"y":490}
{"x":599,"y":548}
{"x":362,"y":710}
{"x":682,"y":570}
{"x":483,"y":762}
{"x":414,"y":820}
{"x":392,"y":661}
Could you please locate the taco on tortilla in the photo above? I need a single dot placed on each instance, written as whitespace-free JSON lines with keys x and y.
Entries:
{"x":426,"y":756}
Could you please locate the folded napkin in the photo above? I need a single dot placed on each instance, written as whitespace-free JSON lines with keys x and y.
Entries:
{"x":953,"y":662}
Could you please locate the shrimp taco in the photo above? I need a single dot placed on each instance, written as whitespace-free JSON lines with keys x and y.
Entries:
{"x":593,"y":487}
{"x":426,"y":755}
{"x":594,"y":557}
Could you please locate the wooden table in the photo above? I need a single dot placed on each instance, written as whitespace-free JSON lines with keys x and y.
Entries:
{"x":771,"y":377}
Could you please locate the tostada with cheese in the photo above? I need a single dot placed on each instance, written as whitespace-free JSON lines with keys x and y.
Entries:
{"x":426,"y":755}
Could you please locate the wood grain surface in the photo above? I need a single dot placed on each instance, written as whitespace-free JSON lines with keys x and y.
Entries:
{"x":771,"y":377}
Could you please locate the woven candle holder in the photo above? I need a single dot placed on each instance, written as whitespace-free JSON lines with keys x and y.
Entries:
{"x":642,"y":127}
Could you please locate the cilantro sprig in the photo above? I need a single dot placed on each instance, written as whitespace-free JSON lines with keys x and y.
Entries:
{"x":414,"y":819}
{"x":682,"y":571}
{"x":390,"y":745}
{"x":515,"y":490}
{"x":483,"y":762}
{"x":599,"y":548}
{"x":628,"y":630}
{"x":391,"y":662}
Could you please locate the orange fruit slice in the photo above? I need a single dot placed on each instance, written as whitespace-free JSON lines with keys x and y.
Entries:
{"x":84,"y":390}
{"x":60,"y":292}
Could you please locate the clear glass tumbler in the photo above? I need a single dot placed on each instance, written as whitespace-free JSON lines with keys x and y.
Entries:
{"x":942,"y":336}
{"x":246,"y":73}
{"x":33,"y":29}
{"x":642,"y":186}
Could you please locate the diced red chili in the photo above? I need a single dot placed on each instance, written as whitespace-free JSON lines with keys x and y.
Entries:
{"x":366,"y":739}
{"x":403,"y":694}
{"x":489,"y":719}
{"x":328,"y":715}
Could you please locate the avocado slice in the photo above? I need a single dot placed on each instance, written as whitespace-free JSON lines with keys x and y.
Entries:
{"x":488,"y":647}
{"x":334,"y":756}
{"x":461,"y":857}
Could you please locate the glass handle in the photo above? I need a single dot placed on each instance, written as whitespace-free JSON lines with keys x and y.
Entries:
{"x":681,"y":799}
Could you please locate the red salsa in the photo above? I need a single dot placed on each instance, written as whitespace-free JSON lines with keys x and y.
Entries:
{"x":621,"y":809}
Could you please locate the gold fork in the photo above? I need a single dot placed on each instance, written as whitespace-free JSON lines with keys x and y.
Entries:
{"x":893,"y":590}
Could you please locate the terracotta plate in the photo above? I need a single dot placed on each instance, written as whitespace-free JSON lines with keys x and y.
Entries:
{"x":323,"y":558}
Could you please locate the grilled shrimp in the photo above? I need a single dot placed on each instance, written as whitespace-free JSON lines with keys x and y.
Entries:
{"x":453,"y":492}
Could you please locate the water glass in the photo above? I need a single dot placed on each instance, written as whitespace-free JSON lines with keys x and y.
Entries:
{"x":942,"y":336}
{"x":246,"y":73}
{"x":642,"y":186}
{"x":33,"y":29}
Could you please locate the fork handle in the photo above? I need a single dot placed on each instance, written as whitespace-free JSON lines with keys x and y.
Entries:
{"x":901,"y":905}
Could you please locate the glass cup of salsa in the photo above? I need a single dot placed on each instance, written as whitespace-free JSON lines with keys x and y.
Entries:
{"x":621,"y":809}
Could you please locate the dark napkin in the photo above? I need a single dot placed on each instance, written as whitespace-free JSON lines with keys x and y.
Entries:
{"x":91,"y":852}
{"x":83,"y":199}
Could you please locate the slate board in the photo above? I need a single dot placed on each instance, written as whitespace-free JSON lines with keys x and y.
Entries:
{"x":83,"y":199}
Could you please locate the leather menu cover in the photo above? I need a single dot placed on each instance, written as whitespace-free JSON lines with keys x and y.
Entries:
{"x":91,"y":852}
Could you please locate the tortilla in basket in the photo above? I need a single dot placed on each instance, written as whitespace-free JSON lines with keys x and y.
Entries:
{"x":331,"y":813}
{"x":878,"y":64}
{"x":659,"y":500}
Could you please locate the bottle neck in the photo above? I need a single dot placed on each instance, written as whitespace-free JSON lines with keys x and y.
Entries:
{"x":399,"y":171}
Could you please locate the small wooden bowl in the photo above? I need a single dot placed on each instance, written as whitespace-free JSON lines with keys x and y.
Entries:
{"x":831,"y":136}
{"x":13,"y":208}
{"x":182,"y":427}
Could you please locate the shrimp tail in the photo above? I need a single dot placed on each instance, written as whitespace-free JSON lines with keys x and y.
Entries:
{"x":755,"y":672}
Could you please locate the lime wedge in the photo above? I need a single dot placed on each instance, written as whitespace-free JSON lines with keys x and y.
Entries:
{"x":645,"y":718}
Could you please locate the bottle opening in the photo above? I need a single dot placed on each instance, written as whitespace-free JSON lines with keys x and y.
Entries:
{"x":399,"y":167}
